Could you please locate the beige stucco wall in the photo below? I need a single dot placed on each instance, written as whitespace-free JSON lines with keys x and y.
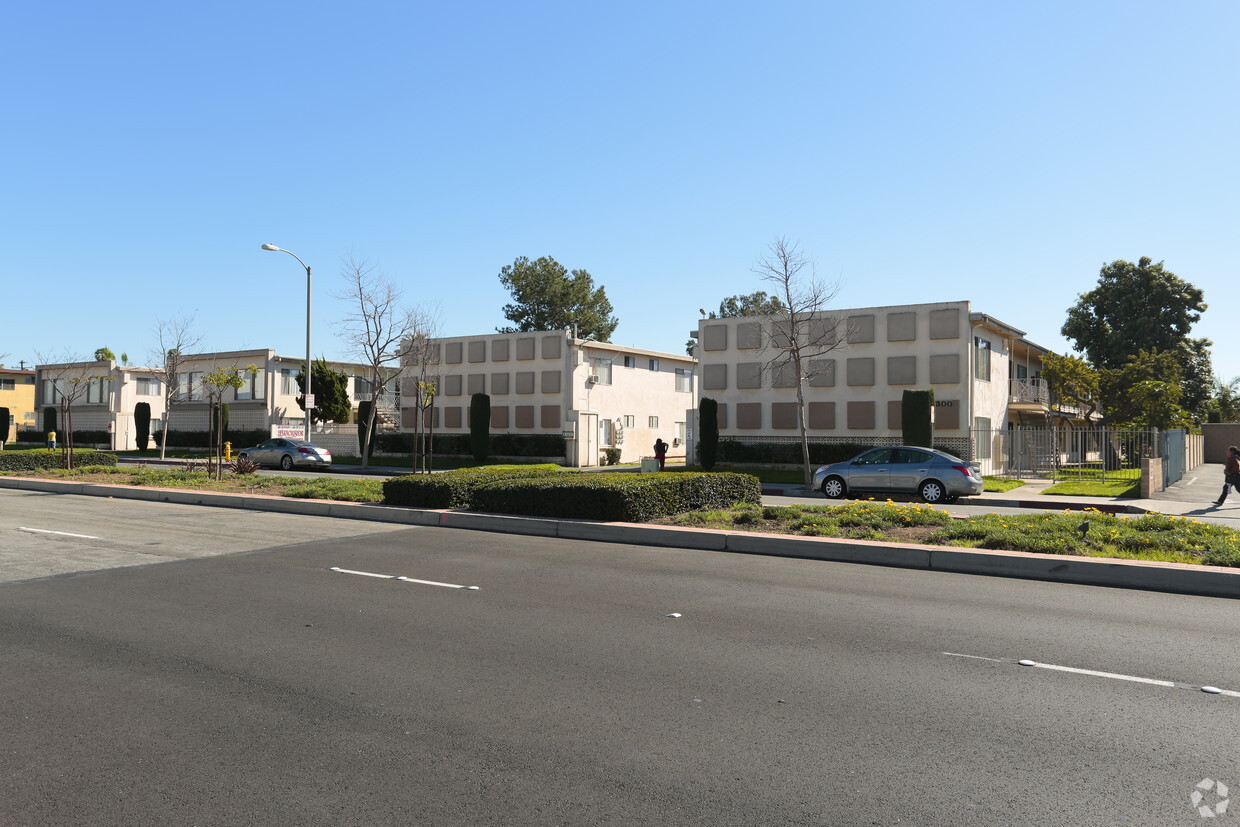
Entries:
{"x":538,"y":383}
{"x":882,"y":351}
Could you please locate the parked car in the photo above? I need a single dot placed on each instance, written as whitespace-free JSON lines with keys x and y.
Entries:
{"x":288,"y":454}
{"x":935,"y":476}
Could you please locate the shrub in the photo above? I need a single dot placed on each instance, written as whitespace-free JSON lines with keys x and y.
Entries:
{"x":142,"y":422}
{"x":45,"y":459}
{"x":616,"y":497}
{"x":49,"y":420}
{"x":452,"y":489}
{"x":820,"y":453}
{"x":4,"y":424}
{"x":480,"y":426}
{"x":708,"y":430}
{"x":611,"y":456}
{"x":244,"y":466}
{"x":917,"y":426}
{"x":200,"y":439}
{"x":363,"y":428}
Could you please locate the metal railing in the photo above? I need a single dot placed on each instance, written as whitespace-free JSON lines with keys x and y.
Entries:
{"x":1028,"y":390}
{"x":1094,"y":453}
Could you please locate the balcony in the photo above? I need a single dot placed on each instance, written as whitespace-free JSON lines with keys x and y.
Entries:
{"x":1028,"y":394}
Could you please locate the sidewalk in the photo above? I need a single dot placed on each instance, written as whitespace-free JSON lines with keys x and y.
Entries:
{"x":1193,"y":496}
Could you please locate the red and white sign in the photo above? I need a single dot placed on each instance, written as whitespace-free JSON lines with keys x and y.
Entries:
{"x":288,"y":431}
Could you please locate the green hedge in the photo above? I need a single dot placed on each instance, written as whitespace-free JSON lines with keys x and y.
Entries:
{"x":40,"y":460}
{"x":820,"y":453}
{"x":502,"y":445}
{"x":451,"y":489}
{"x":200,"y":439}
{"x":630,"y":498}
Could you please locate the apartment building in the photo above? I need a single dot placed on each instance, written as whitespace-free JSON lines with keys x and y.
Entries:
{"x":17,"y":392}
{"x":984,"y":372}
{"x":104,"y":394}
{"x":598,"y":395}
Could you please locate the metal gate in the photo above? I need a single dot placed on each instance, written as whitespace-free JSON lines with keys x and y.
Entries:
{"x":1095,"y":453}
{"x":1173,"y":454}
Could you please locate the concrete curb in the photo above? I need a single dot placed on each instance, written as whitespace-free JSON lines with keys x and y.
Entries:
{"x":1125,"y":574}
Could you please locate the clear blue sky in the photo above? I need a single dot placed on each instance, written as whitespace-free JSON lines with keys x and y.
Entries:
{"x":996,"y":152}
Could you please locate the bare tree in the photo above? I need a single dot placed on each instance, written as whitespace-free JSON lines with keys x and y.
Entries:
{"x":174,"y":340}
{"x":376,"y":331}
{"x":70,"y":380}
{"x":421,"y":360}
{"x":801,"y":334}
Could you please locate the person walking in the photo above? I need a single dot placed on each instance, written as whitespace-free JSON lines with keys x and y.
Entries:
{"x":1231,"y":473}
{"x":660,"y":452}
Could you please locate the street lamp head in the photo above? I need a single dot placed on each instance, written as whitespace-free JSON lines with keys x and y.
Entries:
{"x":273,"y":248}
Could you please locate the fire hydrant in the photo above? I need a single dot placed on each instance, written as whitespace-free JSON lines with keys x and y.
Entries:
{"x":228,"y":450}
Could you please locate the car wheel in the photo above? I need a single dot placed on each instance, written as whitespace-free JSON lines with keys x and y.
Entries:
{"x":286,"y":462}
{"x":932,"y":491}
{"x":833,"y":488}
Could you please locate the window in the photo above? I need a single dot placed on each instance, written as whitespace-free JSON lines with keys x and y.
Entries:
{"x":628,"y":421}
{"x":288,"y":381}
{"x":654,"y":364}
{"x":253,"y":387}
{"x":53,"y":390}
{"x":28,"y":416}
{"x":195,"y":386}
{"x":630,"y":361}
{"x":96,"y":390}
{"x":604,"y":432}
{"x":684,"y":380}
{"x":362,"y":388}
{"x":147,"y":386}
{"x":653,"y":422}
{"x":982,"y":438}
{"x":680,"y":433}
{"x":602,"y":369}
{"x":9,"y":384}
{"x":981,"y":359}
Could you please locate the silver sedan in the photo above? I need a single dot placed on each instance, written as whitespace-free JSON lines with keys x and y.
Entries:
{"x":935,"y":476}
{"x":288,"y":454}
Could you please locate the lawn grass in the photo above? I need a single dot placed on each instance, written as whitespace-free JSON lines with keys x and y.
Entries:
{"x":774,"y":476}
{"x":1152,"y":537}
{"x":1001,"y":484}
{"x":1096,"y":488}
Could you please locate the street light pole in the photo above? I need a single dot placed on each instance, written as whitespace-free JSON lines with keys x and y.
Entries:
{"x":309,"y":391}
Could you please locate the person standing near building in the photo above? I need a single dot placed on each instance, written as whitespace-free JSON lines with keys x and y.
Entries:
{"x":51,"y":439}
{"x":660,"y":452}
{"x":1231,"y":473}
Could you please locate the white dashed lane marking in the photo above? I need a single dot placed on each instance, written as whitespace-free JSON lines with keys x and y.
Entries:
{"x":1210,"y":690}
{"x":59,"y":533}
{"x":402,"y":579}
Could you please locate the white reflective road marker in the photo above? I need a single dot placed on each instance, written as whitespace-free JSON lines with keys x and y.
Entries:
{"x":1210,"y":690}
{"x":402,"y":578}
{"x":61,"y":533}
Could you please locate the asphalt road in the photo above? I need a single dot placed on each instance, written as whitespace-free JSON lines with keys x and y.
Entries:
{"x":260,"y":687}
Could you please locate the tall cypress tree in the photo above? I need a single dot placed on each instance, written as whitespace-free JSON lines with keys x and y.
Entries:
{"x":480,"y":426}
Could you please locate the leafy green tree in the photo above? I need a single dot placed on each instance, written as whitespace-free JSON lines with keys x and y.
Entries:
{"x":547,"y":297}
{"x":331,"y":393}
{"x":104,"y":354}
{"x":1226,"y":400}
{"x":1071,"y":381}
{"x":1140,"y":306}
{"x":755,"y":304}
{"x":1144,"y":392}
{"x":1143,"y":306}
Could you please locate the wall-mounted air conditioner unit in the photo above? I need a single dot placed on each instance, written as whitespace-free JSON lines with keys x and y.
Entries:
{"x":593,"y":380}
